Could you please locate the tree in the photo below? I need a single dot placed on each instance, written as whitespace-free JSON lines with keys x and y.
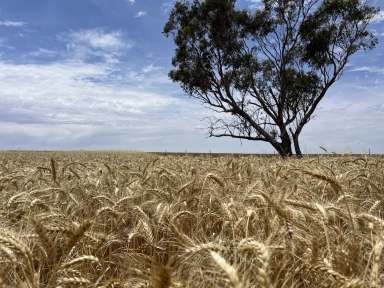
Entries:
{"x":265,"y":72}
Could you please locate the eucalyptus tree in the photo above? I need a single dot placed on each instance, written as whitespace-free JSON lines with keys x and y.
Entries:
{"x":265,"y":71}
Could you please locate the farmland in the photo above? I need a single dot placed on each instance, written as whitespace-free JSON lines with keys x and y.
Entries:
{"x":116,"y":219}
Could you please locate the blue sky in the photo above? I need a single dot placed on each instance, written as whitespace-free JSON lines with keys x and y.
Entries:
{"x":92,"y":74}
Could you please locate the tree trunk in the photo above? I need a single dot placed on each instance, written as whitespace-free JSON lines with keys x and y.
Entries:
{"x":295,"y":137}
{"x":286,"y":144}
{"x":284,"y":148}
{"x":297,"y":146}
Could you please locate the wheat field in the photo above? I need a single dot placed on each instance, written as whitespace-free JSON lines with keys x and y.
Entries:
{"x":116,"y":219}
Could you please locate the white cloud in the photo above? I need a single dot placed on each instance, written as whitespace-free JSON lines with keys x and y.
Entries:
{"x":42,"y":52}
{"x":151,"y":68}
{"x":98,"y":39}
{"x":369,"y":69}
{"x":59,"y":87}
{"x":7,"y":23}
{"x":347,"y":126}
{"x":96,"y":43}
{"x":131,"y":1}
{"x":255,"y":3}
{"x":58,"y":106}
{"x":379,"y":17}
{"x":140,"y":14}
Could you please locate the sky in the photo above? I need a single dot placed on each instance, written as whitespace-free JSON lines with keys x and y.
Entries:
{"x":93,"y":74}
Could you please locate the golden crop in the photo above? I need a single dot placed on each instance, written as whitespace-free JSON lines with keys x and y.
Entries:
{"x":90,"y":219}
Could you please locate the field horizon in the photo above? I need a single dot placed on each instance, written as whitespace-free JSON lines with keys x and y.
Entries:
{"x":186,"y":153}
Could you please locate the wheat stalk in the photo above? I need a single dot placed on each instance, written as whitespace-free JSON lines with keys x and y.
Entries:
{"x":229,"y":270}
{"x":376,"y":264}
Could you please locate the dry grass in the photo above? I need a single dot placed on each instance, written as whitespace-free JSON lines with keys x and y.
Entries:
{"x":135,"y":220}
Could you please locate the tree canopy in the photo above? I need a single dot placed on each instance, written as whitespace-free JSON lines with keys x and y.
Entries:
{"x":265,"y":71}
